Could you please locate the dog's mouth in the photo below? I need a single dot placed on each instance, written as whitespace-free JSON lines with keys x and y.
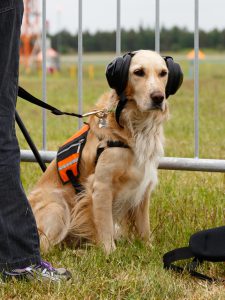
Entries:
{"x":150,"y":106}
{"x":153,"y":108}
{"x":157,"y":107}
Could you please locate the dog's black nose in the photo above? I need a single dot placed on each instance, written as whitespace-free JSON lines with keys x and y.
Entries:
{"x":157,"y":97}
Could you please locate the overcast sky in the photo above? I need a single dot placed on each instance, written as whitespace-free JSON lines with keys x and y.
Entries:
{"x":101,"y":14}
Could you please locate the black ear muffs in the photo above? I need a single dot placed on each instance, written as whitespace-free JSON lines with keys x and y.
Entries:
{"x":175,"y":77}
{"x":117,"y":72}
{"x":117,"y":77}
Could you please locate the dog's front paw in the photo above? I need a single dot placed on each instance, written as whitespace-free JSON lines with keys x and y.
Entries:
{"x":109,"y":247}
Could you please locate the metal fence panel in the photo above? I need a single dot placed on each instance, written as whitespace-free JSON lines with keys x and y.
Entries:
{"x":175,"y":163}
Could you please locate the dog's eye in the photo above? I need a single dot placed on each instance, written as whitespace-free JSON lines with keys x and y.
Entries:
{"x":163,"y":73}
{"x":139,"y":72}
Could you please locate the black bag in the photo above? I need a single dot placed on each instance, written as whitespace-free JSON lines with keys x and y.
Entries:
{"x":206,"y":245}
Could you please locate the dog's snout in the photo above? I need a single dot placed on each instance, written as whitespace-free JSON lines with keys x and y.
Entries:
{"x":157,"y":97}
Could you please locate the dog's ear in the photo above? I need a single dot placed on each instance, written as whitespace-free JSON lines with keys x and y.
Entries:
{"x":175,"y":78}
{"x":117,"y":72}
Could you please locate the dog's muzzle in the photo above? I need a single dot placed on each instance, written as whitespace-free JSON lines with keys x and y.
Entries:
{"x":157,"y":100}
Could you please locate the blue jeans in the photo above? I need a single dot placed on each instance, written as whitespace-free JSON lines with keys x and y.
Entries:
{"x":19,"y":241}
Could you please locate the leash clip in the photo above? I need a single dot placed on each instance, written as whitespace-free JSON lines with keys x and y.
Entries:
{"x":98,"y":113}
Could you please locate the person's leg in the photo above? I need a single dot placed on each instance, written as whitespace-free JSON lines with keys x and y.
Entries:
{"x":19,"y":241}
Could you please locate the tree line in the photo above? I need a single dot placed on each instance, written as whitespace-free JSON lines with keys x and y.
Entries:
{"x":173,"y":39}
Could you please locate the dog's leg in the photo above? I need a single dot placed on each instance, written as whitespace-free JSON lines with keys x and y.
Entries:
{"x":110,"y":170}
{"x":102,"y":212}
{"x":52,"y":217}
{"x":141,"y":218}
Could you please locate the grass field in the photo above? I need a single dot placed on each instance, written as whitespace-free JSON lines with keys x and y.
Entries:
{"x":183,"y":202}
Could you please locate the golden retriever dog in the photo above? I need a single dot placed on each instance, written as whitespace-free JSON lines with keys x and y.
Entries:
{"x":118,"y":186}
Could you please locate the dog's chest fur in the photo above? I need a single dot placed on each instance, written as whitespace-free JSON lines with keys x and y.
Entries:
{"x":148,"y":148}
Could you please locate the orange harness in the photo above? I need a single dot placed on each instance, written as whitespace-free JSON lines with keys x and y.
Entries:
{"x":68,"y":157}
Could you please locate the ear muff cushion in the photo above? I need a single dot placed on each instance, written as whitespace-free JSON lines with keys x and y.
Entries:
{"x":117,"y":72}
{"x":175,"y":78}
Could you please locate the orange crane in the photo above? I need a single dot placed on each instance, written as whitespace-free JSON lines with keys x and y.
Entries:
{"x":30,"y":31}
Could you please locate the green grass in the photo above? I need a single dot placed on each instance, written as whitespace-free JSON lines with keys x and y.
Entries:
{"x":183,"y":202}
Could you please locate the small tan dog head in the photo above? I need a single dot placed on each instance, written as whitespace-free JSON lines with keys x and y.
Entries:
{"x":147,"y":80}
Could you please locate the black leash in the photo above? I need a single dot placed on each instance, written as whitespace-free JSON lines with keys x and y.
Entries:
{"x":23,"y":94}
{"x":30,"y":142}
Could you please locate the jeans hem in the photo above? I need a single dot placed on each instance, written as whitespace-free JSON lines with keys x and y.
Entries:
{"x":22,"y":263}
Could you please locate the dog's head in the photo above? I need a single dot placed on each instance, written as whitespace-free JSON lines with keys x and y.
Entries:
{"x":144,"y":77}
{"x":147,"y":80}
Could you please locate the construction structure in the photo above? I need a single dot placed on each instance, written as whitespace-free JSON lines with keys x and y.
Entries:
{"x":30,"y":32}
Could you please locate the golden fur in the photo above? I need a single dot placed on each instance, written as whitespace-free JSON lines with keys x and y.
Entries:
{"x":118,"y":188}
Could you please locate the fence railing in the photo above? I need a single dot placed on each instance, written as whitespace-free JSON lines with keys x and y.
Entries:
{"x":174,"y":163}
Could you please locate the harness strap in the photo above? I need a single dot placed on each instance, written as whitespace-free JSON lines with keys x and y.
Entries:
{"x":75,"y":182}
{"x":98,"y":153}
{"x":110,"y":144}
{"x":119,"y":144}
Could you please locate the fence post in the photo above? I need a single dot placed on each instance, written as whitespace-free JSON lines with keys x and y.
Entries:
{"x":196,"y":81}
{"x":80,"y":62}
{"x":118,"y":28}
{"x":44,"y":94}
{"x":157,"y":26}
